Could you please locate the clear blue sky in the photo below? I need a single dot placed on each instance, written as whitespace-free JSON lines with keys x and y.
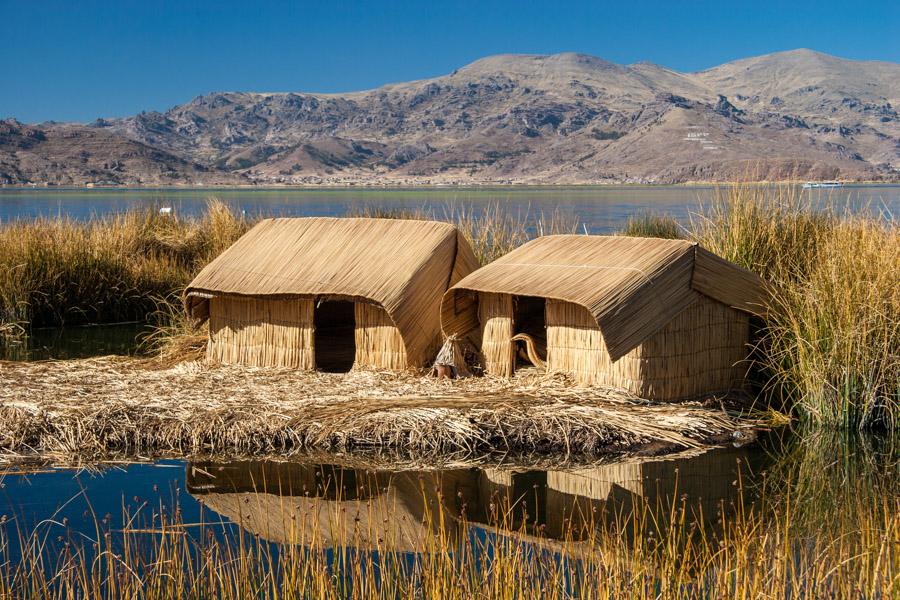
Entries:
{"x":83,"y":59}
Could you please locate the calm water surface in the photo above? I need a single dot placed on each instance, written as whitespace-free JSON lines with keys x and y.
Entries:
{"x":824,"y":477}
{"x":259,"y":495}
{"x":601,"y":209}
{"x":75,"y":342}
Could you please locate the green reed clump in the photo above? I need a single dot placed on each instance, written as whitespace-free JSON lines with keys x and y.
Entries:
{"x":832,"y":336}
{"x":60,"y":271}
{"x":338,"y":549}
{"x":650,"y":224}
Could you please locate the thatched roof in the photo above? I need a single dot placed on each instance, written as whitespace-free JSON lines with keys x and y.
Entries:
{"x":632,"y":286}
{"x":402,"y":265}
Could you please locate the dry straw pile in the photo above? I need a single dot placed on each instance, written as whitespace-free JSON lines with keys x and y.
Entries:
{"x":93,"y":409}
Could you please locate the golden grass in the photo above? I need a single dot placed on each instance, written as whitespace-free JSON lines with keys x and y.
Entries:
{"x":492,"y":231}
{"x":95,"y":408}
{"x":831,"y":342}
{"x":111,"y":269}
{"x":655,"y":225}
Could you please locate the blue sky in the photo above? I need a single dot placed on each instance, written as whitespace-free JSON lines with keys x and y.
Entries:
{"x":79,"y":60}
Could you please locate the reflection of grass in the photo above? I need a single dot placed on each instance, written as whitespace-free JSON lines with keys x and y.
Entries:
{"x":832,"y":338}
{"x":828,"y":477}
{"x":654,"y":552}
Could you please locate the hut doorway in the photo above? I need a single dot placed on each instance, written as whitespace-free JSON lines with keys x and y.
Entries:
{"x":335,"y":340}
{"x":529,"y":331}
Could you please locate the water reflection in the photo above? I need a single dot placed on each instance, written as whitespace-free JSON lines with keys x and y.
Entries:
{"x":74,"y":342}
{"x":293,"y":503}
{"x":822,"y":520}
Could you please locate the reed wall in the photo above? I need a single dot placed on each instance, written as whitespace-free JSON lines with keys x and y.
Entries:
{"x":495,"y":313}
{"x":699,"y":352}
{"x":379,"y":344}
{"x":280,"y":333}
{"x":261,"y":332}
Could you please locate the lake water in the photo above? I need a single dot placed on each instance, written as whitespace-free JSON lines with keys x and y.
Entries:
{"x":75,"y":342}
{"x":601,"y":209}
{"x":825,"y":480}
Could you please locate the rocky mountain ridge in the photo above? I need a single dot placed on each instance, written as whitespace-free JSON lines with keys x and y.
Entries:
{"x":559,"y":119}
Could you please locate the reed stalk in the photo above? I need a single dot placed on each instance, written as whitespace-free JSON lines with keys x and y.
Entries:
{"x":831,"y":341}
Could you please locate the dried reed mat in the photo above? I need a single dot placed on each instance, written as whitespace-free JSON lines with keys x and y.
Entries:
{"x":127,"y":407}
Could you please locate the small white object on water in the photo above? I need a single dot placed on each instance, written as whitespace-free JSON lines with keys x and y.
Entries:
{"x":165,"y":210}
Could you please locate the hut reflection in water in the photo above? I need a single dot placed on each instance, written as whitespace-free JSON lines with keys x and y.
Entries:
{"x":331,"y":505}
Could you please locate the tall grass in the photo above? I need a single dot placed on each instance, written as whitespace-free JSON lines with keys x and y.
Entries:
{"x":653,"y":551}
{"x":831,"y":341}
{"x":59,"y":271}
{"x":651,"y":224}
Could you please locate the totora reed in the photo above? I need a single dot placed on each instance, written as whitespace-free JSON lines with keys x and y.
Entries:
{"x":828,"y":349}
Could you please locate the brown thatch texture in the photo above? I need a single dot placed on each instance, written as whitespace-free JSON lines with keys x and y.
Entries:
{"x":495,"y":313}
{"x":698,"y":352}
{"x":92,"y":409}
{"x":377,"y":523}
{"x":632,"y":287}
{"x":261,"y":332}
{"x":403,"y":266}
{"x":379,"y":344}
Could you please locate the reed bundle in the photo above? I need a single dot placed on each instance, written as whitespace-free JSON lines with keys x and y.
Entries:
{"x":93,"y":408}
{"x":495,"y":313}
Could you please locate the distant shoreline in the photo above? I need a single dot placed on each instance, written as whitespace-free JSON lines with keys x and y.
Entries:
{"x":438,"y":187}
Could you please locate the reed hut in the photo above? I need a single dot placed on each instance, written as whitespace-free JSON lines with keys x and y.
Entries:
{"x":662,"y":319}
{"x":330,"y":293}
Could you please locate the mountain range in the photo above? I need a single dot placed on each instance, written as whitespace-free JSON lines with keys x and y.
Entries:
{"x":558,"y":119}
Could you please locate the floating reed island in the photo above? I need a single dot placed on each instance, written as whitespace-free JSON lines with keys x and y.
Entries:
{"x":110,"y":407}
{"x":321,"y":330}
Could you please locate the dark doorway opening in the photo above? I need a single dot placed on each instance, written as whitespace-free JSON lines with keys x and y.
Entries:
{"x":529,"y":317}
{"x":335,"y":341}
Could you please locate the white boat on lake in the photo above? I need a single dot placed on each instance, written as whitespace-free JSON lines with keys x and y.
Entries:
{"x":822,"y":184}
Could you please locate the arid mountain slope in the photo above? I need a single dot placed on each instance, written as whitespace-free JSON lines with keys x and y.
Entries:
{"x":565,"y":118}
